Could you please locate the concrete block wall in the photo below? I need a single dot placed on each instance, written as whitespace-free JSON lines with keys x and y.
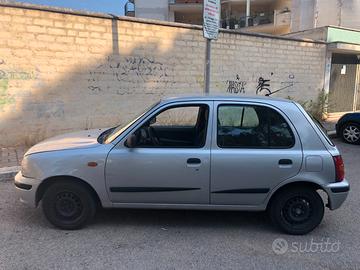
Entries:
{"x":62,"y":71}
{"x":289,"y":68}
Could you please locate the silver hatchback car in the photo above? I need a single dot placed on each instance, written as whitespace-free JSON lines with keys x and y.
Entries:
{"x":213,"y":153}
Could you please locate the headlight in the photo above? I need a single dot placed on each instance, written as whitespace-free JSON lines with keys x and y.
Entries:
{"x":26,"y":168}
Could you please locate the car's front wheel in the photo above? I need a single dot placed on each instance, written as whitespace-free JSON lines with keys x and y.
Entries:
{"x":297,"y":210}
{"x":68,"y":205}
{"x":351,"y":133}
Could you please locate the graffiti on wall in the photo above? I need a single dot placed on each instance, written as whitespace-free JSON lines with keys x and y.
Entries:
{"x":264,"y":84}
{"x":5,"y":98}
{"x":290,"y":82}
{"x":51,"y":110}
{"x":135,"y":69}
{"x":236,"y":86}
{"x":6,"y":76}
{"x":263,"y":87}
{"x":143,"y":67}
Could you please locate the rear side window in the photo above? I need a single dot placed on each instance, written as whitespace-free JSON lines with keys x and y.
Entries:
{"x":322,"y":129}
{"x":247,"y":126}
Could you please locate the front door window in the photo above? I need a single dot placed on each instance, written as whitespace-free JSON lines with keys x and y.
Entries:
{"x":175,"y":127}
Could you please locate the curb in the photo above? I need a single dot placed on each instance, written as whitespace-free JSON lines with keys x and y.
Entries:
{"x":8,"y":173}
{"x":332,"y":134}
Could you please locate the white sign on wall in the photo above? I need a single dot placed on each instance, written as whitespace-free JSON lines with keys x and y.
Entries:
{"x":211,"y":15}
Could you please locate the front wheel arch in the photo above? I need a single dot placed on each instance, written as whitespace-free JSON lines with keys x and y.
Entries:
{"x":45,"y":184}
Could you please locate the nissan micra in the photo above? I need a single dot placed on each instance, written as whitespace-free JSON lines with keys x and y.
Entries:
{"x":213,"y":153}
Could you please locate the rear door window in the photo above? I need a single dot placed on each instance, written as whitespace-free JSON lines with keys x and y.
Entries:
{"x":252,"y":126}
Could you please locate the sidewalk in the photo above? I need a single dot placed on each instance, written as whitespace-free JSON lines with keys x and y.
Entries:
{"x":329,"y":125}
{"x":11,"y":156}
{"x":10,"y":160}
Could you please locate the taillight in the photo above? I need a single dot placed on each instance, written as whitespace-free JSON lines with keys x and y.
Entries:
{"x":339,"y":168}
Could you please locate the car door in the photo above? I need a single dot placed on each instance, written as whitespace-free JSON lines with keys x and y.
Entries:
{"x":255,"y":147}
{"x":170,"y":163}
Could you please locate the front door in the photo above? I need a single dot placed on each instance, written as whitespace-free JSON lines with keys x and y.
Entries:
{"x":254,"y":149}
{"x":170,"y":162}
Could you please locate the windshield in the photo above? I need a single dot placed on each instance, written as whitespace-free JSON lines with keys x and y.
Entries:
{"x":111,"y":134}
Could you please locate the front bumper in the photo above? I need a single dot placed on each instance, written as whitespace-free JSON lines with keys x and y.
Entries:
{"x":337,"y":193}
{"x":26,"y":189}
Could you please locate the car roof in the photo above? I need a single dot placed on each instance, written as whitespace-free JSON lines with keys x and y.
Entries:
{"x":225,"y":98}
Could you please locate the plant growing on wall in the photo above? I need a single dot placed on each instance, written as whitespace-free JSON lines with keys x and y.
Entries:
{"x":317,"y":108}
{"x":5,"y":98}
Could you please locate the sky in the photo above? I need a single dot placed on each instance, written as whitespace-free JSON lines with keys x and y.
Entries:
{"x":115,"y":7}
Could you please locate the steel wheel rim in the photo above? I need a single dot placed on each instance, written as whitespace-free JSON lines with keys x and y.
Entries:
{"x":351,"y":133}
{"x":68,"y":205}
{"x":297,"y":210}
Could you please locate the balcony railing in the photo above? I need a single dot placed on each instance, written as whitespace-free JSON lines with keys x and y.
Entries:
{"x":257,"y":19}
{"x":173,"y":2}
{"x":275,"y":18}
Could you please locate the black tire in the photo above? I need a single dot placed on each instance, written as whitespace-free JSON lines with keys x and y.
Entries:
{"x":297,"y":210}
{"x":350,"y":127}
{"x":68,"y":205}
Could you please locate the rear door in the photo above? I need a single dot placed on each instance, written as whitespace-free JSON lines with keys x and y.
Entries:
{"x":254,"y":148}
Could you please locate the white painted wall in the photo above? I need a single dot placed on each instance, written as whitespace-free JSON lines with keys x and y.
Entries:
{"x":307,"y":14}
{"x":350,"y":14}
{"x":152,"y":9}
{"x":302,"y":15}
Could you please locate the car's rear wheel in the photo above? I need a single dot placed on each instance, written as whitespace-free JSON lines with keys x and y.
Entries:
{"x":351,"y":133}
{"x":68,"y":205}
{"x":297,"y":210}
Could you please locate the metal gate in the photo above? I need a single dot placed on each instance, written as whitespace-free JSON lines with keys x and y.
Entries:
{"x":344,"y":83}
{"x":358,"y":89}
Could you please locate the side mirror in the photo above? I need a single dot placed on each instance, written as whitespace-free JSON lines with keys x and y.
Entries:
{"x":131,"y":141}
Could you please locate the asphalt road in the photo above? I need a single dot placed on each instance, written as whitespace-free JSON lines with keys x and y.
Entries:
{"x":148,"y":239}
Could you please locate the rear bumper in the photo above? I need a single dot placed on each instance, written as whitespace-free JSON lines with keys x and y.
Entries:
{"x":337,"y":193}
{"x":26,"y":189}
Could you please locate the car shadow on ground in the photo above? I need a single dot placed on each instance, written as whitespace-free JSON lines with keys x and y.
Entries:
{"x":183,"y":219}
{"x":187,"y":220}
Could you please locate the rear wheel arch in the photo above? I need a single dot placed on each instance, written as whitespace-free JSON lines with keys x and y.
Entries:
{"x":297,"y":208}
{"x":45,"y":184}
{"x":291,"y":185}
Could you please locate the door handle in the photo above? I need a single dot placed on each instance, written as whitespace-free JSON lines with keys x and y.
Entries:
{"x":285,"y":162}
{"x":193,"y":161}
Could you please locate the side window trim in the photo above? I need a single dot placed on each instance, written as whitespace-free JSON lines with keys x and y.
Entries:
{"x":242,"y":116}
{"x":294,"y":134}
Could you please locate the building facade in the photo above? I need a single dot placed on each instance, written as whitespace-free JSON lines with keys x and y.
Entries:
{"x":308,"y":14}
{"x":335,"y":22}
{"x":263,"y":16}
{"x":342,"y":68}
